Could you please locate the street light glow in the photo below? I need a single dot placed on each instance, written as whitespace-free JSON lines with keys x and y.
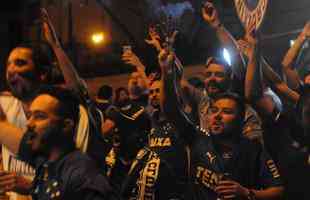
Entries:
{"x":226,"y":56}
{"x":97,"y":38}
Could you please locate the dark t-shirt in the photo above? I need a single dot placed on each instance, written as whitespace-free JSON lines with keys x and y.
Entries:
{"x":132,"y":126}
{"x":97,"y":147}
{"x":73,"y":176}
{"x":142,"y":100}
{"x":247,"y":164}
{"x":285,"y":141}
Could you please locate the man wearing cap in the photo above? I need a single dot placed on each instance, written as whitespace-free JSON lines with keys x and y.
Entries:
{"x":219,"y":77}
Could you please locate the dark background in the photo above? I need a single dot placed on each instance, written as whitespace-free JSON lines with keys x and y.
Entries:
{"x":131,"y":19}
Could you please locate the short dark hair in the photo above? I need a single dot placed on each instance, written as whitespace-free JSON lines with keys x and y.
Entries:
{"x":105,"y":92}
{"x":68,"y":101}
{"x":118,"y":91}
{"x":42,"y":55}
{"x":219,"y":61}
{"x":235,"y":97}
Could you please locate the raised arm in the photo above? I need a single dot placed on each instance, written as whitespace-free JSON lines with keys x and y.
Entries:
{"x":187,"y":92}
{"x":253,"y":80}
{"x":154,"y":40}
{"x":132,"y":59}
{"x":171,"y":101}
{"x":288,"y":61}
{"x":211,"y":17}
{"x":278,"y":84}
{"x":72,"y":79}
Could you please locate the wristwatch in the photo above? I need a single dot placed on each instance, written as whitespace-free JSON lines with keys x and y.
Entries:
{"x":251,"y":195}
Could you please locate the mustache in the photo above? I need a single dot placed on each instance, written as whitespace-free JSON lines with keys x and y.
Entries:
{"x":214,"y":84}
{"x":24,"y":75}
{"x":30,"y":135}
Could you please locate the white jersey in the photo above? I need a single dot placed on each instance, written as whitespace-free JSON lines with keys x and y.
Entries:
{"x":15,"y":114}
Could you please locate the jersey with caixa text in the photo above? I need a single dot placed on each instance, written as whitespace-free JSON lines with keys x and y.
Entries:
{"x":160,"y":170}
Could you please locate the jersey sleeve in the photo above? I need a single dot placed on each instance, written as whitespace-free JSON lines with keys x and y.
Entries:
{"x":269,"y":175}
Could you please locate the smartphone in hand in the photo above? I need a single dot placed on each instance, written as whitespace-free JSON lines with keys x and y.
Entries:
{"x":127,"y":48}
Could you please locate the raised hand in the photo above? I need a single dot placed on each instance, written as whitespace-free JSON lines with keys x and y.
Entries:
{"x":210,"y":14}
{"x":166,"y":58}
{"x":48,"y":29}
{"x":155,"y":39}
{"x":306,"y":30}
{"x":131,"y":58}
{"x":247,"y":45}
{"x":171,"y":39}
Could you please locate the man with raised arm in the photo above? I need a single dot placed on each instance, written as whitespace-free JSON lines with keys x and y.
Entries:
{"x":218,"y":78}
{"x":224,"y":165}
{"x":28,"y":67}
{"x":286,"y":135}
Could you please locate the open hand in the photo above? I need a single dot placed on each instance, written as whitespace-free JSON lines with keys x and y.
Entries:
{"x":131,"y":58}
{"x":248,"y":44}
{"x":165,"y":58}
{"x":306,"y":30}
{"x":155,"y":39}
{"x":210,"y":14}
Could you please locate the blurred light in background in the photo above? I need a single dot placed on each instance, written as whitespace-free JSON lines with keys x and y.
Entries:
{"x":97,"y":38}
{"x":292,"y":42}
{"x":226,"y":56}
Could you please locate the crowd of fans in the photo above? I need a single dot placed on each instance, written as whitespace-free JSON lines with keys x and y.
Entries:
{"x":240,"y":133}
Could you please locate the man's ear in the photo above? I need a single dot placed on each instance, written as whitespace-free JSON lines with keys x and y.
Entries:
{"x":68,"y":125}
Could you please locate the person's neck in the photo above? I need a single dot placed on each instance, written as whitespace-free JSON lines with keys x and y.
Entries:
{"x":56,"y":153}
{"x":226,"y":140}
{"x":156,"y":113}
{"x":134,"y":97}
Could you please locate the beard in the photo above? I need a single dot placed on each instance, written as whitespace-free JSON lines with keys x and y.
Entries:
{"x":135,"y":90}
{"x":155,"y":103}
{"x":41,"y":144}
{"x":23,"y":87}
{"x":220,"y":87}
{"x":123,"y":102}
